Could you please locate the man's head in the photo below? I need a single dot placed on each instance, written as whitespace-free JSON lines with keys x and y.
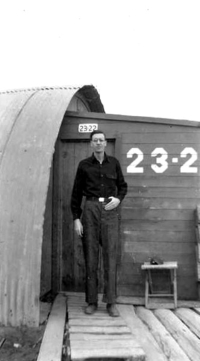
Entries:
{"x":98,"y":141}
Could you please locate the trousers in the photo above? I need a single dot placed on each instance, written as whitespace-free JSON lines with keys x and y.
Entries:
{"x":100,"y":229}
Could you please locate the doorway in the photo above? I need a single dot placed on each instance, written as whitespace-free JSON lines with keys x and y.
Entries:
{"x":68,"y":261}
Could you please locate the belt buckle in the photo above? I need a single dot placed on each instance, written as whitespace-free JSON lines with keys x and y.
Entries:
{"x":101,"y":199}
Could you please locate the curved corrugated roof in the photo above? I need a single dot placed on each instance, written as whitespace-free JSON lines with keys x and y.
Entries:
{"x":29,"y":125}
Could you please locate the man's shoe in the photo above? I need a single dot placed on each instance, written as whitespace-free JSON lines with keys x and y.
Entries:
{"x":112,"y":310}
{"x":91,"y":308}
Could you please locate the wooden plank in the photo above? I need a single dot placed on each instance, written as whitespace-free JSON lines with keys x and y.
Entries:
{"x":56,"y":218}
{"x":158,"y":214}
{"x":159,"y":203}
{"x":2,"y":340}
{"x":165,"y":265}
{"x":130,"y":300}
{"x":139,"y":301}
{"x":197,"y":214}
{"x":103,"y":344}
{"x":161,"y":305}
{"x":146,"y":225}
{"x":80,"y":309}
{"x":197,"y":229}
{"x":166,"y":342}
{"x":81,"y":151}
{"x":52,"y":342}
{"x":99,"y":329}
{"x":134,"y":126}
{"x":159,"y":122}
{"x":181,"y":333}
{"x":97,"y":322}
{"x":159,"y":190}
{"x":133,"y":354}
{"x":197,"y":309}
{"x":73,"y":314}
{"x":81,"y":303}
{"x":95,"y":337}
{"x":157,"y":236}
{"x":68,"y":238}
{"x":142,"y":180}
{"x":76,"y":302}
{"x":190,"y":318}
{"x":156,"y":303}
{"x":141,"y":333}
{"x":73,"y":294}
{"x":81,"y":306}
{"x":197,"y":233}
{"x":168,"y":249}
{"x":162,"y":138}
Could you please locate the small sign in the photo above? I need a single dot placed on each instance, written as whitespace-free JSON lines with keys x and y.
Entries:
{"x":87,"y":128}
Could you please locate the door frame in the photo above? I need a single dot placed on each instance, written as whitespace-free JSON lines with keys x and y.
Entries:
{"x":57,"y":247}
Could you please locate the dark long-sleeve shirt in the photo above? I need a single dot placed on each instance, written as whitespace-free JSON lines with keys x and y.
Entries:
{"x":97,"y":180}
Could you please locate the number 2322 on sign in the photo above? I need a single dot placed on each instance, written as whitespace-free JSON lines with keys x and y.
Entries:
{"x":87,"y":128}
{"x":161,"y":163}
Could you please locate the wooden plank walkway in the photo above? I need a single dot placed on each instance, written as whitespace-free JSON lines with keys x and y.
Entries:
{"x":99,"y":335}
{"x":138,"y":334}
{"x":52,"y":342}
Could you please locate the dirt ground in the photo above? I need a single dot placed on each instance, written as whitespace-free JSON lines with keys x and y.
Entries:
{"x":23,"y":343}
{"x":20,"y":344}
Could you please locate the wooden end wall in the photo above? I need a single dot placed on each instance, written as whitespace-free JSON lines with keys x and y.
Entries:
{"x":158,"y":211}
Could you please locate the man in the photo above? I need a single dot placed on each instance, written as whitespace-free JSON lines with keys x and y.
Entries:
{"x":99,"y":178}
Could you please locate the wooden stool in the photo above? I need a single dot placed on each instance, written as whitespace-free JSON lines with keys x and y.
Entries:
{"x":172,"y":267}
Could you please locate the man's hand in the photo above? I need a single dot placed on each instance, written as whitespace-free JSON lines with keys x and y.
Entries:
{"x":112,"y":204}
{"x":78,"y":227}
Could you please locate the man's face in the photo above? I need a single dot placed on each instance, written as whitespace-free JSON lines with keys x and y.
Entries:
{"x":98,"y":142}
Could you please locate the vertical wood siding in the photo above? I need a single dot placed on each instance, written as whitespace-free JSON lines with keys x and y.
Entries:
{"x":158,"y":211}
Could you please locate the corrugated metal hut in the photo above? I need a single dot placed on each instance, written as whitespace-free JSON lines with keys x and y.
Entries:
{"x":44,"y":133}
{"x":30,"y":121}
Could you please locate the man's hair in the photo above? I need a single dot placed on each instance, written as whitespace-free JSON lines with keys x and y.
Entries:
{"x":97,"y":132}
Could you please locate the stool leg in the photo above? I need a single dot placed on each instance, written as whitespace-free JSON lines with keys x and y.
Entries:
{"x":175,"y":289}
{"x":146,"y":289}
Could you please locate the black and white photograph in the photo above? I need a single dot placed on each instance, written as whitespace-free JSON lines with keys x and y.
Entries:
{"x":99,"y":180}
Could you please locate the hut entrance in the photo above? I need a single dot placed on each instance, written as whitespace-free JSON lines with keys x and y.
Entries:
{"x":68,"y":261}
{"x":157,"y":213}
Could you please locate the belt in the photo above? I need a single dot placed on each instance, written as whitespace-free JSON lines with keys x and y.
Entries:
{"x":100,"y":199}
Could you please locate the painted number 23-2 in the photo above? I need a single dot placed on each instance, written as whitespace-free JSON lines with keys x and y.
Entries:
{"x":161,"y":163}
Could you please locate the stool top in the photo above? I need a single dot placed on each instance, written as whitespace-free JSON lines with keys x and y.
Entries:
{"x":164,"y":265}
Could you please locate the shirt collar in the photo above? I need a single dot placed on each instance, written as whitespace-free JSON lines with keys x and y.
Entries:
{"x":94,"y":160}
